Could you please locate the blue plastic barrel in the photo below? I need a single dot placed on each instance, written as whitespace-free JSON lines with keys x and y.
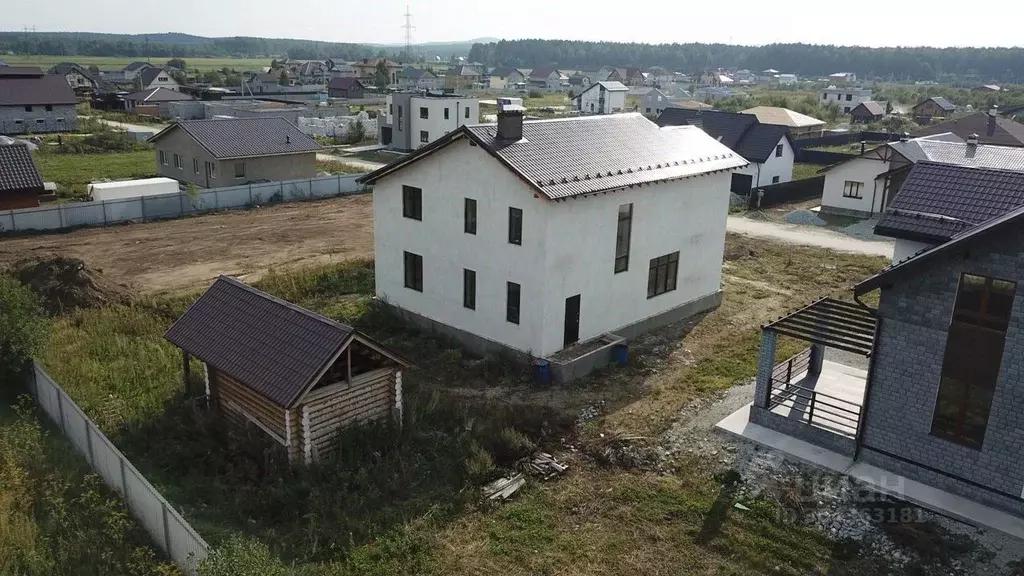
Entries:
{"x":541,"y":371}
{"x":620,"y":353}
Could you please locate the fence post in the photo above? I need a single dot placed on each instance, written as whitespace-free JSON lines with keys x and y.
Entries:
{"x":60,"y":411}
{"x":810,"y":413}
{"x":339,"y":184}
{"x":310,"y":188}
{"x":280,"y":191}
{"x":181,"y":203}
{"x":60,"y":214}
{"x":142,"y":203}
{"x":88,"y":441}
{"x":103,"y":206}
{"x":216,"y":200}
{"x":250,"y":194}
{"x":124,"y":480}
{"x":789,"y":371}
{"x":167,"y":533}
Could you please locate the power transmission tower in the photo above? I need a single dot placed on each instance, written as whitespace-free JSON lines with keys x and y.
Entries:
{"x":408,"y":33}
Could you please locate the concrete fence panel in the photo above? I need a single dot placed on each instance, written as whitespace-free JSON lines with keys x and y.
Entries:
{"x":163,"y":206}
{"x":82,"y":214}
{"x":7,"y":221}
{"x":117,"y":211}
{"x":37,"y":219}
{"x":233,"y":197}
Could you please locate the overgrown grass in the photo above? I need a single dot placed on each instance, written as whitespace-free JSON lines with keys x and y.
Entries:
{"x":338,"y":167}
{"x":802,"y":171}
{"x":73,"y":172}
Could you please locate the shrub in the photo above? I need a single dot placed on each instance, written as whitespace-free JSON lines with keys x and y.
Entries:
{"x":23,"y":328}
{"x":240,"y":556}
{"x":356,"y":132}
{"x":513,"y":445}
{"x":536,"y":94}
{"x":479,"y":464}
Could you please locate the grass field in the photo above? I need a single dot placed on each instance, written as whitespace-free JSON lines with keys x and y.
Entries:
{"x":406,"y":504}
{"x":72,"y":172}
{"x":115,"y":63}
{"x":801,"y":171}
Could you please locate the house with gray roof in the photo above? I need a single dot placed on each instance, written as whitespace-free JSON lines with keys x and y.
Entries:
{"x":80,"y":79}
{"x":419,"y":79}
{"x":478,"y":234}
{"x":149,"y":78}
{"x":601,"y":98}
{"x":990,"y":127}
{"x":232,"y":151}
{"x":33,"y":102}
{"x":931,"y":108}
{"x":505,"y":78}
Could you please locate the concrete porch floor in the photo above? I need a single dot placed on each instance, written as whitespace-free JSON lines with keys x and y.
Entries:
{"x":844,"y":384}
{"x":883,"y":481}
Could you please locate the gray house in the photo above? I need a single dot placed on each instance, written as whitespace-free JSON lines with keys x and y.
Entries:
{"x":227,"y":152}
{"x":939,"y":401}
{"x":33,"y":102}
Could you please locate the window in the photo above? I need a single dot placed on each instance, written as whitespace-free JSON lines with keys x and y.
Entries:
{"x":849,"y":97}
{"x":846,"y":109}
{"x":179,"y":162}
{"x":974,"y":353}
{"x":778,"y":151}
{"x":161,"y":79}
{"x":648,"y":111}
{"x":412,"y":202}
{"x":391,"y":109}
{"x":445,"y":113}
{"x":40,"y":121}
{"x":424,"y":136}
{"x":470,"y":216}
{"x":211,"y":169}
{"x":424,"y":113}
{"x":28,"y":108}
{"x":824,"y":96}
{"x":851,"y":189}
{"x":163,"y":157}
{"x":775,"y":179}
{"x":622,"y":235}
{"x":195,"y":165}
{"x":467,"y":111}
{"x":239,"y":169}
{"x":49,"y":107}
{"x":512,"y":303}
{"x":515,"y":226}
{"x":469,"y":289}
{"x":661,"y":276}
{"x":413,"y":271}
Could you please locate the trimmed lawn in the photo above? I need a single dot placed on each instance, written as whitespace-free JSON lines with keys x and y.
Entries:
{"x":73,"y":172}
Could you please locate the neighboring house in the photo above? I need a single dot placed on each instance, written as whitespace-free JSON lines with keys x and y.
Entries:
{"x":78,"y":78}
{"x":845,"y":98}
{"x":296,"y":375}
{"x":767,"y":148}
{"x":505,"y":78}
{"x":461,"y":78}
{"x":135,"y":68}
{"x":262,"y":82}
{"x":867,"y":112}
{"x":657,"y":101}
{"x":713,"y":92}
{"x":934,"y":107}
{"x":800,"y":125}
{"x":20,"y":183}
{"x":843,"y":77}
{"x":609,"y":73}
{"x":33,"y":102}
{"x":579,"y":82}
{"x":479,"y":235}
{"x":152,"y":98}
{"x":345,"y":88}
{"x":227,"y":152}
{"x":986,"y":88}
{"x":631,"y":76}
{"x":419,"y":79}
{"x":786,"y":79}
{"x":310,"y":71}
{"x":548,"y":80}
{"x":412,"y":119}
{"x":341,"y":70}
{"x":366,"y":70}
{"x":990,"y":128}
{"x":156,"y":78}
{"x":745,"y":77}
{"x":602,"y":98}
{"x":714,"y":78}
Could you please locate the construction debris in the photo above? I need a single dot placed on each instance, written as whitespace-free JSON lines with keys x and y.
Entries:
{"x":503,"y":488}
{"x":545,"y":466}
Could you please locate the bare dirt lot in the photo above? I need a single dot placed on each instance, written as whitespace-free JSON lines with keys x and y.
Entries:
{"x":179,"y":255}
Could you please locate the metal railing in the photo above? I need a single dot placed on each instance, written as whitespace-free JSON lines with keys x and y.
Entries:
{"x":793,"y":366}
{"x":813,"y":407}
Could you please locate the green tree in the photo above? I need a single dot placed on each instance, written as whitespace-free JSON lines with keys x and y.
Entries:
{"x":176,"y":63}
{"x":380,"y":76}
{"x":282,"y":79}
{"x":23,"y":328}
{"x":94,"y":70}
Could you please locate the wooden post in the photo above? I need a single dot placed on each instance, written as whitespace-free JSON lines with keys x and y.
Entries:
{"x":186,"y":370}
{"x":307,"y":448}
{"x":348,"y":364}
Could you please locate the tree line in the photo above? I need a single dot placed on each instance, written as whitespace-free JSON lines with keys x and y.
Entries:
{"x":805,"y":60}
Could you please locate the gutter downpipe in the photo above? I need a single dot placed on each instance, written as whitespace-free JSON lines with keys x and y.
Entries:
{"x":859,"y":440}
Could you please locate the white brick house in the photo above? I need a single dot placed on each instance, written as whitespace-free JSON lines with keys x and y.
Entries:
{"x":532,"y":236}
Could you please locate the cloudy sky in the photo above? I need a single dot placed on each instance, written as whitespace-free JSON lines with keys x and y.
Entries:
{"x":654,"y":21}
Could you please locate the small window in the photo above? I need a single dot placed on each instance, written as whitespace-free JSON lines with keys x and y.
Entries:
{"x":661,"y":275}
{"x":846,"y":110}
{"x":179,"y":162}
{"x":851,"y":189}
{"x":622,"y":235}
{"x":512,"y":303}
{"x":161,"y":79}
{"x":424,"y":136}
{"x":49,"y":107}
{"x":467,"y":112}
{"x":28,"y":108}
{"x":824,"y":96}
{"x":775,"y":179}
{"x":849,"y":97}
{"x":239,"y":169}
{"x":424,"y":113}
{"x":446,"y":114}
{"x":412,"y":202}
{"x":413,"y":271}
{"x":195,"y":165}
{"x":515,"y":226}
{"x":778,"y":151}
{"x":40,"y":121}
{"x":469,"y":289}
{"x":391,"y":109}
{"x":648,"y":110}
{"x":470,"y":216}
{"x":163,"y":157}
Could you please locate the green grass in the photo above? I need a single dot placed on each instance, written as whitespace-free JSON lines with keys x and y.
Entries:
{"x":801,"y":171}
{"x":338,"y":167}
{"x":72,"y":172}
{"x":116,"y":63}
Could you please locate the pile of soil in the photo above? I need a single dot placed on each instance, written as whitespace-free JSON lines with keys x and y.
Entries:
{"x":65,"y":284}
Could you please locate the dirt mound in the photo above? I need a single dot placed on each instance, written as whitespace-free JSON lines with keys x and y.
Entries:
{"x":65,"y":284}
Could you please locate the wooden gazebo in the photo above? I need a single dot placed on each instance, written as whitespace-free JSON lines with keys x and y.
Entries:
{"x":296,"y":375}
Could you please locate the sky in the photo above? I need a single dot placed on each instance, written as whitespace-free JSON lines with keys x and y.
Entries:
{"x":651,"y":21}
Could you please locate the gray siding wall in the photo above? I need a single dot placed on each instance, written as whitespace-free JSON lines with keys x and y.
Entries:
{"x":274,"y":168}
{"x":915,"y":318}
{"x":63,"y":118}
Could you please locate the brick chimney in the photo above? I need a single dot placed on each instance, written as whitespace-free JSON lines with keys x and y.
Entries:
{"x":992,"y":120}
{"x":510,"y":119}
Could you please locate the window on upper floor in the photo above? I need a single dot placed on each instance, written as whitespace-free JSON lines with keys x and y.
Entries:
{"x":849,"y":97}
{"x":622,"y":236}
{"x":469,"y":209}
{"x":412,"y":202}
{"x":515,"y":226}
{"x":467,"y":112}
{"x":824,"y":96}
{"x":852,"y":189}
{"x":28,"y":108}
{"x":424,"y":113}
{"x":512,"y":294}
{"x":778,"y":151}
{"x":179,"y":162}
{"x":49,"y":107}
{"x":163,"y":157}
{"x":972,"y":358}
{"x":661,"y":274}
{"x":413,"y":264}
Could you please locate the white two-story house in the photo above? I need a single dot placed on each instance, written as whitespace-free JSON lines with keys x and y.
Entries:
{"x":531,"y":236}
{"x":846,"y":98}
{"x":602,"y":98}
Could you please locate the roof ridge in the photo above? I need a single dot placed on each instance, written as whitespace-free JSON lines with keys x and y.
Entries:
{"x":294,"y":307}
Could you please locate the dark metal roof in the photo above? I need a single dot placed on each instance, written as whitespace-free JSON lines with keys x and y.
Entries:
{"x":543,"y":73}
{"x":1010,"y":221}
{"x":831,"y":323}
{"x":35,"y":90}
{"x":245,"y":137}
{"x":148,"y":75}
{"x":411,"y":73}
{"x":742,"y":133}
{"x":18,"y":170}
{"x":940,"y":102}
{"x":570,"y":157}
{"x":871,"y":107}
{"x":67,"y":67}
{"x":503,"y":72}
{"x":343,"y":83}
{"x":21,"y":71}
{"x":136,"y":65}
{"x":938,"y":201}
{"x":1004,"y":131}
{"x":271,"y":346}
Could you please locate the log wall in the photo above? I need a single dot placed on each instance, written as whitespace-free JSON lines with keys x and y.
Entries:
{"x":326,"y":411}
{"x":241,"y":406}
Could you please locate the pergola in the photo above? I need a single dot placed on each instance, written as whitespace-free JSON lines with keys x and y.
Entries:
{"x":830,"y":323}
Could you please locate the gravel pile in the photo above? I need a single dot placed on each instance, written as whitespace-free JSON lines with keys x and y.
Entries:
{"x":804,"y":218}
{"x":865,"y":230}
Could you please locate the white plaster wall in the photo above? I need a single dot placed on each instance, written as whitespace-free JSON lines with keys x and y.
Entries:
{"x":781,"y":166}
{"x":906,"y":248}
{"x":590,"y":101}
{"x":863,"y":170}
{"x":839,"y":97}
{"x":435,"y":124}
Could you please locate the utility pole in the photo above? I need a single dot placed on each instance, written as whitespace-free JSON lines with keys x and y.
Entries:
{"x":408,"y":33}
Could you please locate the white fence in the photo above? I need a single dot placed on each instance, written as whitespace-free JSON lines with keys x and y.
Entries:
{"x":165,"y":206}
{"x":169,"y":530}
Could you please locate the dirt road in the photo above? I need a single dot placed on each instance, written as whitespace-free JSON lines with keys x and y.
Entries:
{"x":807,"y":236}
{"x":177,"y":255}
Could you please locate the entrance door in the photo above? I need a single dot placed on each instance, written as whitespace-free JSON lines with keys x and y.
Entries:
{"x":572,"y":320}
{"x":741,"y":184}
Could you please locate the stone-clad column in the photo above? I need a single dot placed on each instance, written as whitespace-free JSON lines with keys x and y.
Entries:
{"x":765,"y":365}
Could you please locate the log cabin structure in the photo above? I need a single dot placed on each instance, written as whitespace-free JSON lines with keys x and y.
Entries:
{"x":296,"y":375}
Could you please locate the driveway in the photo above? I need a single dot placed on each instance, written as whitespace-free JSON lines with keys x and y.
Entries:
{"x":808,"y":236}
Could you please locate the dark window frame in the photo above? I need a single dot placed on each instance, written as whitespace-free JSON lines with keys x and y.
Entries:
{"x":424,"y":136}
{"x":469,"y":216}
{"x":515,"y":226}
{"x":853,"y":191}
{"x":424,"y":113}
{"x":778,"y":150}
{"x":49,"y":107}
{"x":469,"y":288}
{"x":513,"y":302}
{"x":412,"y":202}
{"x":28,"y":107}
{"x":446,"y":114}
{"x":622,"y":239}
{"x":775,"y":179}
{"x":662,"y":274}
{"x":412,"y":265}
